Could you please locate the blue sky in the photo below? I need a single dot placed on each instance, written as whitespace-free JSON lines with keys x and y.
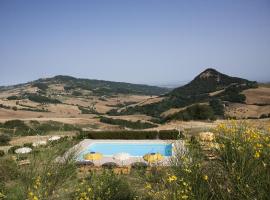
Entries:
{"x":137,"y":41}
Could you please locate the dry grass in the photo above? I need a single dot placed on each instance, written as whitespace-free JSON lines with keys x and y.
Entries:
{"x":259,"y":95}
{"x":243,"y":111}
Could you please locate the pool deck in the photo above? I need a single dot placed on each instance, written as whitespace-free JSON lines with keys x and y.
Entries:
{"x":87,"y":142}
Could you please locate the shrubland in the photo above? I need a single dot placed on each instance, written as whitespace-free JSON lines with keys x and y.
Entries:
{"x":239,"y":169}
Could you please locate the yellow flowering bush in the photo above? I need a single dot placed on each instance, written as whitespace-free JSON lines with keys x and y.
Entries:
{"x":244,"y":153}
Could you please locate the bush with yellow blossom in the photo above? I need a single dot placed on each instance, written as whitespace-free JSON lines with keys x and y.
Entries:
{"x":244,"y":153}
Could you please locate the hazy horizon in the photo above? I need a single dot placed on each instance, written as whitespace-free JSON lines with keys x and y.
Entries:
{"x":145,"y":41}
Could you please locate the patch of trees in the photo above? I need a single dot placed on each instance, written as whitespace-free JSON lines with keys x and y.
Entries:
{"x":41,"y":86}
{"x":13,"y":97}
{"x":87,"y":110}
{"x":42,"y":99}
{"x":194,"y":112}
{"x":217,"y":106}
{"x":232,"y":94}
{"x":129,"y":124}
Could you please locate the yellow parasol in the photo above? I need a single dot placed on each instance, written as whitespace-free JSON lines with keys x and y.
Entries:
{"x":93,"y":156}
{"x":153,"y":157}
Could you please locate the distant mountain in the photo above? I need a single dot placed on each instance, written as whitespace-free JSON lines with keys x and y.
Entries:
{"x":97,"y":87}
{"x":208,"y":81}
{"x":209,"y":88}
{"x":173,"y":85}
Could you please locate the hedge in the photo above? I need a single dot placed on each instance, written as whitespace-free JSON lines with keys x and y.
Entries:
{"x":131,"y":135}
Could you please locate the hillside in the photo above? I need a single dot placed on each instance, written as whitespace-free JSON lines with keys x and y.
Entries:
{"x":211,"y":88}
{"x":209,"y":95}
{"x":209,"y":81}
{"x":96,"y":87}
{"x":63,"y":98}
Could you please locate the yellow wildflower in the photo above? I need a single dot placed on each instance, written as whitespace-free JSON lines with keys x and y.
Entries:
{"x":205,"y":177}
{"x":2,"y":195}
{"x":187,"y":170}
{"x":172,"y":178}
{"x":148,"y":186}
{"x":257,"y":154}
{"x":184,"y":197}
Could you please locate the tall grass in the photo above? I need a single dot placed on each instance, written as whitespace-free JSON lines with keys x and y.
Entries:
{"x":103,"y":186}
{"x":44,"y":178}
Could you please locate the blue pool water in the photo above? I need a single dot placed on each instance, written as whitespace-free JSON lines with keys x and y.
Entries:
{"x":134,"y":149}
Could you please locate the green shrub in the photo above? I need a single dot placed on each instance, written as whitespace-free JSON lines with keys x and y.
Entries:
{"x":14,"y":108}
{"x":109,"y":165}
{"x":139,"y":166}
{"x":30,"y":145}
{"x":2,"y":153}
{"x":4,"y":139}
{"x":13,"y":148}
{"x":170,"y":135}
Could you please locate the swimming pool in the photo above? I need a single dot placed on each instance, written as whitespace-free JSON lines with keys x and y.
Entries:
{"x":134,"y":149}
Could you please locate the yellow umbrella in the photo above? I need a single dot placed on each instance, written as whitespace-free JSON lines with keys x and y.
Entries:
{"x":153,"y":157}
{"x":93,"y":156}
